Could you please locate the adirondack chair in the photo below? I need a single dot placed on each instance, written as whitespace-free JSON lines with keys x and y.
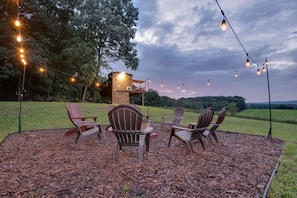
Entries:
{"x":212,"y":131}
{"x":126,"y":123}
{"x":85,"y":128}
{"x":77,"y":115}
{"x":178,"y":115}
{"x":187,"y":135}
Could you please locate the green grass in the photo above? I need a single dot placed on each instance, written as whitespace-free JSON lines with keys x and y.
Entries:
{"x":52,"y":115}
{"x":277,"y":115}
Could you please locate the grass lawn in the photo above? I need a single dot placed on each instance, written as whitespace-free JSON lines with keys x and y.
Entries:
{"x":52,"y":115}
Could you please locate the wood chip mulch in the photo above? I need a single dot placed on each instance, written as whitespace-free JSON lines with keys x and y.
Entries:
{"x":46,"y":163}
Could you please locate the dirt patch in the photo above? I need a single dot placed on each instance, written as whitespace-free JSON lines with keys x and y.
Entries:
{"x":45,"y":163}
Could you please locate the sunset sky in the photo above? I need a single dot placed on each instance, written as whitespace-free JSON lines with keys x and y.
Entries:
{"x":180,"y":43}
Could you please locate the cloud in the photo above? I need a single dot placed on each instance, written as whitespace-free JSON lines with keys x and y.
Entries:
{"x":181,"y":43}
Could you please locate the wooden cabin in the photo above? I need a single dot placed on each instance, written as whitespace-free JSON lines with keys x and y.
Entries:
{"x":120,"y":86}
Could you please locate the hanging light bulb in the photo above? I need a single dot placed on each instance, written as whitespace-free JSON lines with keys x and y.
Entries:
{"x":17,"y":23}
{"x":72,"y":79}
{"x":266,"y":62}
{"x":264,"y":69}
{"x":41,"y":69}
{"x":24,"y":61}
{"x":247,"y":63}
{"x":19,"y":38}
{"x":161,"y":85}
{"x":224,"y":25}
{"x":258,"y":71}
{"x":236,"y":75}
{"x":22,"y":50}
{"x":208,"y":83}
{"x":178,"y":87}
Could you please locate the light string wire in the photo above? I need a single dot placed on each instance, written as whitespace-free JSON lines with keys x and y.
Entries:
{"x":247,"y":54}
{"x":239,"y":41}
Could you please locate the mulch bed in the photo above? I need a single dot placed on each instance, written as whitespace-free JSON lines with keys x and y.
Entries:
{"x":45,"y":163}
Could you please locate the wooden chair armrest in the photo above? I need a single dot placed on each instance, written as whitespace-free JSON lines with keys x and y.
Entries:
{"x":86,"y":117}
{"x":182,"y":128}
{"x":148,"y":130}
{"x":82,"y":124}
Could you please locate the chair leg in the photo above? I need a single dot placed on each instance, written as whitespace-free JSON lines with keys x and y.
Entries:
{"x":209,"y":139}
{"x":201,"y":141}
{"x":80,"y":140}
{"x":171,"y":134}
{"x":147,"y":142}
{"x":189,"y":145}
{"x":215,"y":136}
{"x":169,"y":141}
{"x":102,"y":134}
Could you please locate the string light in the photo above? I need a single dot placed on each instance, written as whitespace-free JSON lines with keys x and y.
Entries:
{"x":258,"y":70}
{"x":224,"y":25}
{"x":17,"y":23}
{"x":248,"y":64}
{"x":236,"y":75}
{"x":41,"y":69}
{"x":263,"y":69}
{"x":208,"y":83}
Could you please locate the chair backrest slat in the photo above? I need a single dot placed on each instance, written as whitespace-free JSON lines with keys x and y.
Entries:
{"x":221,"y":116}
{"x":205,"y":118}
{"x":178,"y":113}
{"x":125,"y":118}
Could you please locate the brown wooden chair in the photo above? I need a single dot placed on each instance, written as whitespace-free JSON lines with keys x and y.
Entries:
{"x":187,"y":135}
{"x":83,"y":127}
{"x":126,"y":122}
{"x":212,"y":131}
{"x":77,"y":115}
{"x":178,"y":115}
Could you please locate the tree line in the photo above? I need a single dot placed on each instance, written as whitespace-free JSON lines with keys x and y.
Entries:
{"x":152,"y":98}
{"x":67,"y":39}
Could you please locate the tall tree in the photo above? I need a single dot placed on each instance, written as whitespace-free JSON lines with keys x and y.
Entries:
{"x":110,"y":26}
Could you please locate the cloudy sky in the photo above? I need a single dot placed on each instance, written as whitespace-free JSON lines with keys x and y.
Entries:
{"x":181,"y":44}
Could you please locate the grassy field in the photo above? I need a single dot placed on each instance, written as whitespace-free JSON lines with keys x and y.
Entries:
{"x":52,"y":115}
{"x":278,"y":115}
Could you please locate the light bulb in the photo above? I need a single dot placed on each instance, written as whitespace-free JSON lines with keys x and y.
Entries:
{"x":19,"y":38}
{"x":258,"y":71}
{"x":247,"y":63}
{"x":224,"y":25}
{"x":17,"y":23}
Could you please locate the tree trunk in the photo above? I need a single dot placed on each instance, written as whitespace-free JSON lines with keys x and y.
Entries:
{"x":84,"y":93}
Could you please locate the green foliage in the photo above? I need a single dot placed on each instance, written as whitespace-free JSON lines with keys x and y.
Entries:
{"x":66,"y":37}
{"x":232,"y":108}
{"x":152,"y":98}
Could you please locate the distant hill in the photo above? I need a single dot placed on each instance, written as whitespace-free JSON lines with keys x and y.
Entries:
{"x":292,"y":102}
{"x":274,"y":105}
